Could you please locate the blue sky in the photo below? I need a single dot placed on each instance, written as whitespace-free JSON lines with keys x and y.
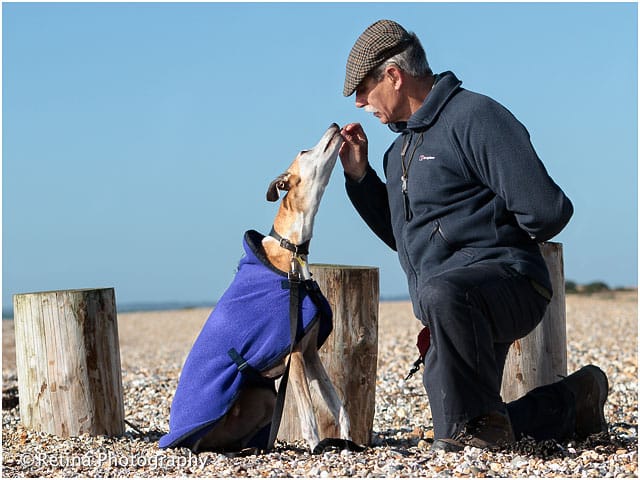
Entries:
{"x":139,"y":139}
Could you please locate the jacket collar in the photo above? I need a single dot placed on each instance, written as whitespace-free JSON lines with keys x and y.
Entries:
{"x":447,"y":84}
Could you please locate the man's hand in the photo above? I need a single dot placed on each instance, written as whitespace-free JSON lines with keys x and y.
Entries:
{"x":354,"y":151}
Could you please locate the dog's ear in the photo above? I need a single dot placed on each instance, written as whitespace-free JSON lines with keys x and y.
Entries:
{"x":280,"y":183}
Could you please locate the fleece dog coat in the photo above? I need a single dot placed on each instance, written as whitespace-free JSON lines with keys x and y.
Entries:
{"x":252,"y":317}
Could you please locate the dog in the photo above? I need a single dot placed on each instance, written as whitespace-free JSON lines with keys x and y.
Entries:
{"x":226,"y":394}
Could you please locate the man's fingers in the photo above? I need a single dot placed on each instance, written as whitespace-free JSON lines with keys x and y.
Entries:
{"x":353,"y":133}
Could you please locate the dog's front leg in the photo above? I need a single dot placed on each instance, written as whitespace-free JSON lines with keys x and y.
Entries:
{"x":302,"y":395}
{"x":328,"y":393}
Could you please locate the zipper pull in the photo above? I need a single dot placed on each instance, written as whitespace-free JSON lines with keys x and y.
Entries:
{"x":405,"y":198}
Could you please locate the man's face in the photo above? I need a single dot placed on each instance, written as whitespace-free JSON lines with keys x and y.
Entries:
{"x":380,"y":98}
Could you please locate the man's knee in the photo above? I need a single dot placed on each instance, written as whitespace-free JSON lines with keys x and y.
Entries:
{"x":441,"y":294}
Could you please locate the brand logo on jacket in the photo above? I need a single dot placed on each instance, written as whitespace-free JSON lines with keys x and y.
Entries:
{"x":421,"y":158}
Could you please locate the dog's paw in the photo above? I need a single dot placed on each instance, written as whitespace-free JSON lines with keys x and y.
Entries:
{"x":245,"y":452}
{"x":338,"y":444}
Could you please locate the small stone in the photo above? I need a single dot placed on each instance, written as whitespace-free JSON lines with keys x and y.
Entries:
{"x":475,"y":471}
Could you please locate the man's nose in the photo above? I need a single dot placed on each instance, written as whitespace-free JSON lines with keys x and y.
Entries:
{"x":361,"y":101}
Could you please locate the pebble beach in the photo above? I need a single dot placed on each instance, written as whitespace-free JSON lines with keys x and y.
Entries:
{"x":601,"y":329}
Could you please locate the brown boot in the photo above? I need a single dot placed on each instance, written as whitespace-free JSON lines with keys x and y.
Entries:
{"x":590,"y":388}
{"x":489,"y":431}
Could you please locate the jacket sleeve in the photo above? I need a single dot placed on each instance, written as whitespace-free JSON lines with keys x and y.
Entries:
{"x":498,"y":150}
{"x":369,"y":197}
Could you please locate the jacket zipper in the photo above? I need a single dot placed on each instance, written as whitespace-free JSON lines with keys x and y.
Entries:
{"x":408,"y":215}
{"x":405,"y":196}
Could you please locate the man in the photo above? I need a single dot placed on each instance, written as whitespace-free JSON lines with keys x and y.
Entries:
{"x":465,"y":203}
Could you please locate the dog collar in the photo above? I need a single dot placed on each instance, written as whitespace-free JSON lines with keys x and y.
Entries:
{"x":302,"y":249}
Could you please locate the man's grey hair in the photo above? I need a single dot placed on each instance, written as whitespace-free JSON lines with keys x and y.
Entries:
{"x":412,"y":60}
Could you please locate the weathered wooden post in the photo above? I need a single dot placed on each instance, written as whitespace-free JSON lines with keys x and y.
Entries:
{"x":68,"y":362}
{"x":540,"y":357}
{"x":349,"y":355}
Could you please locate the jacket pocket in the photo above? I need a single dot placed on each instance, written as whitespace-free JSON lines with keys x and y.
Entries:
{"x":440,"y":231}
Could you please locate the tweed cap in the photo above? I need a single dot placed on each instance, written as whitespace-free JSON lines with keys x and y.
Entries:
{"x":379,"y":42}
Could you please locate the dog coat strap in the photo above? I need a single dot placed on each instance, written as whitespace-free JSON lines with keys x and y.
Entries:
{"x":294,"y":312}
{"x":248,"y":371}
{"x":238,"y":359}
{"x":314,"y":292}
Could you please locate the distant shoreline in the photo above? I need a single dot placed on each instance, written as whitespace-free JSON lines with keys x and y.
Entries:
{"x":7,"y":312}
{"x":139,"y":307}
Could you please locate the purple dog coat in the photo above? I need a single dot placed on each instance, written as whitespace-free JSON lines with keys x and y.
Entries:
{"x":251,"y":317}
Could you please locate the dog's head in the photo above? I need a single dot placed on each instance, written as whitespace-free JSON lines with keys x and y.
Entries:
{"x":308,"y":175}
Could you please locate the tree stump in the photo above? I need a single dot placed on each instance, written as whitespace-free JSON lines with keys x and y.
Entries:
{"x":349,"y":355}
{"x":68,"y":362}
{"x":540,"y":357}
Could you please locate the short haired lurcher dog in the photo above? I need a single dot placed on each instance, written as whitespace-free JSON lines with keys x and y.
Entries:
{"x":226,"y":395}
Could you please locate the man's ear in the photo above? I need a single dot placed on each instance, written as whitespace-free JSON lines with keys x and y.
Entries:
{"x":279,"y":183}
{"x":395,"y":75}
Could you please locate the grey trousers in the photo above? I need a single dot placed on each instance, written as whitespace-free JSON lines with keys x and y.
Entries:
{"x":474,"y":313}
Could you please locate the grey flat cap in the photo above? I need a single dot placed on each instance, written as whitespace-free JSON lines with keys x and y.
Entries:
{"x":379,"y":42}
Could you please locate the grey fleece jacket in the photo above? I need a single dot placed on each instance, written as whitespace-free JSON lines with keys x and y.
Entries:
{"x":475,"y":190}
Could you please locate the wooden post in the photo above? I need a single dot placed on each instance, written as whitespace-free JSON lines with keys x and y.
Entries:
{"x":349,"y":355}
{"x":68,"y":362}
{"x":540,"y":357}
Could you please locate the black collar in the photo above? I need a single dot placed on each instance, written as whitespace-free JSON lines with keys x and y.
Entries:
{"x":302,"y":249}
